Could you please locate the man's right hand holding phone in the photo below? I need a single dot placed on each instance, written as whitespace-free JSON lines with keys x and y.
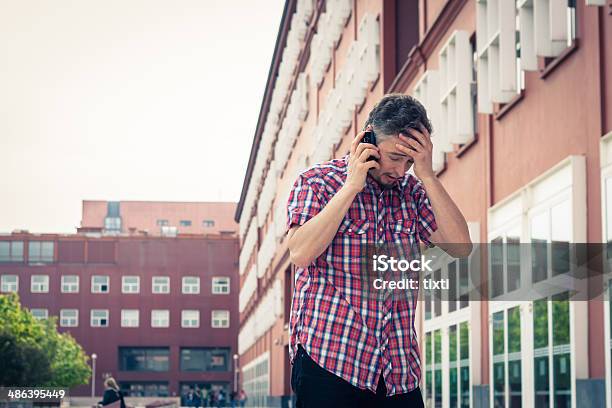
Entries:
{"x":359,"y":165}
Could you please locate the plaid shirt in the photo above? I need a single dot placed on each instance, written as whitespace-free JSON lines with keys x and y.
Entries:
{"x":355,"y":336}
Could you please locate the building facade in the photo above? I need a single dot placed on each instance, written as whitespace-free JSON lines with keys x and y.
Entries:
{"x":158,"y":218}
{"x":159,"y":313}
{"x":520,"y":98}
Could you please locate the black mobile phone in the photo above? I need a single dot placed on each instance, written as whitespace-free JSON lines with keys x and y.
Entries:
{"x":369,"y":137}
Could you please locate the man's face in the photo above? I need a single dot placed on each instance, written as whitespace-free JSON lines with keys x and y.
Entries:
{"x":393,"y":163}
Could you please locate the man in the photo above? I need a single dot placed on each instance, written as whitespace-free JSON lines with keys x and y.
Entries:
{"x":347,"y":349}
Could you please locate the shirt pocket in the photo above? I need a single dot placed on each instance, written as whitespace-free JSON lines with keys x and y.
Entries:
{"x":405,"y":237}
{"x":354,"y":227}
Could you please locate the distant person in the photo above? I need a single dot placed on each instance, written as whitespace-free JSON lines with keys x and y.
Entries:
{"x":242,"y":397}
{"x":111,"y":393}
{"x":189,"y":399}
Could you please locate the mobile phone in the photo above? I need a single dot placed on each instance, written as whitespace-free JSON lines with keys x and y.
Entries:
{"x":369,"y":137}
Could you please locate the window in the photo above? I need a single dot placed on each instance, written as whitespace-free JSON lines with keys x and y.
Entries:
{"x":10,"y":283}
{"x":112,"y":224}
{"x":160,"y":318}
{"x":256,"y":380}
{"x":205,"y":359}
{"x":220,"y":285}
{"x":145,"y":389}
{"x":39,"y":284}
{"x":220,"y":319}
{"x":190,"y":318}
{"x":130,"y":284}
{"x":40,"y":314}
{"x":69,"y":317}
{"x":99,"y":318}
{"x":169,"y":231}
{"x":40,"y":251}
{"x":511,"y":35}
{"x":208,"y":223}
{"x":162,"y":223}
{"x":191,"y":284}
{"x":70,"y":284}
{"x":11,"y":251}
{"x":506,"y":346}
{"x":185,"y":223}
{"x":99,"y":284}
{"x":130,"y":317}
{"x":161,"y":284}
{"x":144,"y":358}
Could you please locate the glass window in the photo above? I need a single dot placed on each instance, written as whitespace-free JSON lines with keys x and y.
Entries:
{"x":69,"y":317}
{"x":99,"y":318}
{"x":539,"y":252}
{"x":220,"y":319}
{"x":10,"y":283}
{"x":453,"y":369}
{"x":437,"y":368}
{"x":221,"y":285}
{"x":40,"y":314}
{"x":185,"y":223}
{"x":130,"y":317}
{"x":160,"y":318}
{"x":205,"y":359}
{"x":162,"y":223}
{"x":514,"y":356}
{"x":130,"y":284}
{"x":190,"y":318}
{"x":39,"y":284}
{"x":191,"y":285}
{"x":99,"y":284}
{"x":144,"y":389}
{"x":208,"y":223}
{"x":11,"y":251}
{"x":41,"y":251}
{"x":70,"y":283}
{"x":144,"y":358}
{"x":161,"y":284}
{"x":497,"y":267}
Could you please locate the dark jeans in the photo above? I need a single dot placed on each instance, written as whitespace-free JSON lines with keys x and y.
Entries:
{"x":318,"y":388}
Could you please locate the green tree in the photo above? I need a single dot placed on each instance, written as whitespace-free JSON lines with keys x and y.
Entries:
{"x":32,"y":352}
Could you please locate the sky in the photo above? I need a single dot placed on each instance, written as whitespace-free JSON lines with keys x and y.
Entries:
{"x":127,"y":100}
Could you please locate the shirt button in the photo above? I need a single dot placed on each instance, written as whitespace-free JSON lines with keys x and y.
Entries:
{"x":381,"y":228}
{"x":350,"y":230}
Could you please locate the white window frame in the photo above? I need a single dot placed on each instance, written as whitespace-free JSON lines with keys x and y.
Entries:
{"x":606,"y":174}
{"x":68,"y":321}
{"x":96,"y":321}
{"x":8,"y":287}
{"x":130,"y":321}
{"x":564,"y":181}
{"x":45,"y":313}
{"x":97,"y":287}
{"x":158,"y":317}
{"x":219,"y":283}
{"x":130,"y":287}
{"x":70,"y":287}
{"x":191,"y":290}
{"x":157,"y":286}
{"x":190,"y":322}
{"x":220,"y":322}
{"x":39,"y":287}
{"x":469,"y":314}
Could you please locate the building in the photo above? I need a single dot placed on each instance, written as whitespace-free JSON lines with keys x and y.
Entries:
{"x":159,"y":312}
{"x":158,"y":218}
{"x":520,"y":96}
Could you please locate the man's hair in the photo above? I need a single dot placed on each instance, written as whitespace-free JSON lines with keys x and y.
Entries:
{"x":396,"y":113}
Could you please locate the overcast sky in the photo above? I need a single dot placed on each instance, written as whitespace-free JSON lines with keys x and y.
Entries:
{"x":127,"y":100}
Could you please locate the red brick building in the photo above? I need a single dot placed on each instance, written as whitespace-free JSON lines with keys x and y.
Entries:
{"x":520,"y":97}
{"x":160,"y":313}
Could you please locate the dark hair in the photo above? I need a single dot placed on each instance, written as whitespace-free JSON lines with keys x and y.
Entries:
{"x":396,"y":112}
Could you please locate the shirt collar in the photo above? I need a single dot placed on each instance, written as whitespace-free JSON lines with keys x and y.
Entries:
{"x":374,"y":185}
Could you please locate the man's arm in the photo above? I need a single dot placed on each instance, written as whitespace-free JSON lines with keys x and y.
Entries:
{"x":452,"y":234}
{"x":308,"y":241}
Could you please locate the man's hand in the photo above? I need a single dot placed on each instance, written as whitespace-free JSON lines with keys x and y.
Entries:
{"x":358,"y":165}
{"x":420,"y":151}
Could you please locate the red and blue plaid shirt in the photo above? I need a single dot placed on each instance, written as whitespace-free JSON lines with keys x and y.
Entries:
{"x":354,"y":335}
